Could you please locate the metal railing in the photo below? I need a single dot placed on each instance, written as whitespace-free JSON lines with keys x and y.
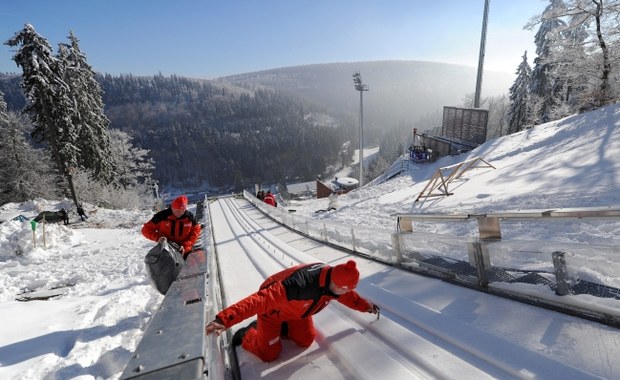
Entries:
{"x":485,"y":259}
{"x":398,"y":167}
{"x":369,"y":241}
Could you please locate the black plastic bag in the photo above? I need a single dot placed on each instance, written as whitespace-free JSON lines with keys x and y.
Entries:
{"x":163,"y":265}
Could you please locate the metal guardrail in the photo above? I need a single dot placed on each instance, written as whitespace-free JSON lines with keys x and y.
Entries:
{"x":485,"y":262}
{"x":489,"y":262}
{"x":369,"y":241}
{"x":174,"y":345}
{"x":398,"y":167}
{"x":488,"y":223}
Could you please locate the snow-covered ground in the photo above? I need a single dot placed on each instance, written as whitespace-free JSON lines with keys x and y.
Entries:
{"x":94,"y":326}
{"x":91,"y":330}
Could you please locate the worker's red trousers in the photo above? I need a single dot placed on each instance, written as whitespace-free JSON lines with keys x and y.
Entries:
{"x":264,"y":340}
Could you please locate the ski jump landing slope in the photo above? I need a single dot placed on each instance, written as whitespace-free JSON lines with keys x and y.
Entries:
{"x":428,"y":329}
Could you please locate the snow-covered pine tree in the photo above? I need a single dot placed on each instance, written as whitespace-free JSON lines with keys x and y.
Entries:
{"x":574,"y":71}
{"x":585,"y":48}
{"x":131,"y":187}
{"x":518,"y":114}
{"x":498,"y":115}
{"x":4,"y":116}
{"x":25,"y":171}
{"x":132,"y":163}
{"x":88,"y":118}
{"x":390,"y":149}
{"x":545,"y":83}
{"x":49,"y":107}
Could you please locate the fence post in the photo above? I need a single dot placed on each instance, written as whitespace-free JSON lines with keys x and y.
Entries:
{"x":561,"y":274}
{"x":33,"y":226}
{"x":481,"y":260}
{"x":324,"y":232}
{"x":44,"y":241}
{"x":489,"y":228}
{"x":404,"y":224}
{"x":397,"y":247}
{"x":353,"y":239}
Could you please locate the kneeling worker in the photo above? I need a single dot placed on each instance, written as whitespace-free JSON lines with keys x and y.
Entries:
{"x":285,"y":304}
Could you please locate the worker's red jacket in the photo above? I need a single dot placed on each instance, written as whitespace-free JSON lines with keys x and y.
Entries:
{"x":270,"y":199}
{"x":184,"y":230}
{"x":294,"y":293}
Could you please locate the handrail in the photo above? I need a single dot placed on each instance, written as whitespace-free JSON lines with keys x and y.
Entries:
{"x":360,"y":239}
{"x":574,"y":213}
{"x":488,"y":259}
{"x":397,"y":167}
{"x":489,"y":222}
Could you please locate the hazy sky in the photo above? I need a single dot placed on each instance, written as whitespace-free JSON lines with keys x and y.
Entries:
{"x":209,"y":38}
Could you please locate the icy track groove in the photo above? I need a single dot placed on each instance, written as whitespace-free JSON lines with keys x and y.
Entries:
{"x":420,"y":335}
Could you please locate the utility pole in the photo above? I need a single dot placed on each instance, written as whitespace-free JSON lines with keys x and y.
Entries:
{"x":361,"y":87}
{"x":483,"y":41}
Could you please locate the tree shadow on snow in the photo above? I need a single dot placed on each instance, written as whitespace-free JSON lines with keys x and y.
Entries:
{"x":109,"y":364}
{"x":60,"y":343}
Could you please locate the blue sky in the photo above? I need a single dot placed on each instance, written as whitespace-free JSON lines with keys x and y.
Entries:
{"x":209,"y":38}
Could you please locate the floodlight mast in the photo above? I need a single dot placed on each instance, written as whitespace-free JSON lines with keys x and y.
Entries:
{"x":483,"y":39}
{"x":361,"y":87}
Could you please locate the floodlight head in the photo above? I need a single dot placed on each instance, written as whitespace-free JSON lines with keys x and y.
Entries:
{"x":357,"y":82}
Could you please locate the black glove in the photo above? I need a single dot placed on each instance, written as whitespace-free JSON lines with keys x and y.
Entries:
{"x":374,"y":309}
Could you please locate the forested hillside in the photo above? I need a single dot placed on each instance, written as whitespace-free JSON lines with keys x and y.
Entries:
{"x":199,"y":132}
{"x":267,"y":126}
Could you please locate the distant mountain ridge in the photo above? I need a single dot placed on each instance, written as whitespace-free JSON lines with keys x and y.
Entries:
{"x":399,"y":91}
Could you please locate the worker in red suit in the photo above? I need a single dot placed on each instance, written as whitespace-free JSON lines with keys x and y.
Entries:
{"x":285,"y":304}
{"x":176,"y":224}
{"x":270,"y":199}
